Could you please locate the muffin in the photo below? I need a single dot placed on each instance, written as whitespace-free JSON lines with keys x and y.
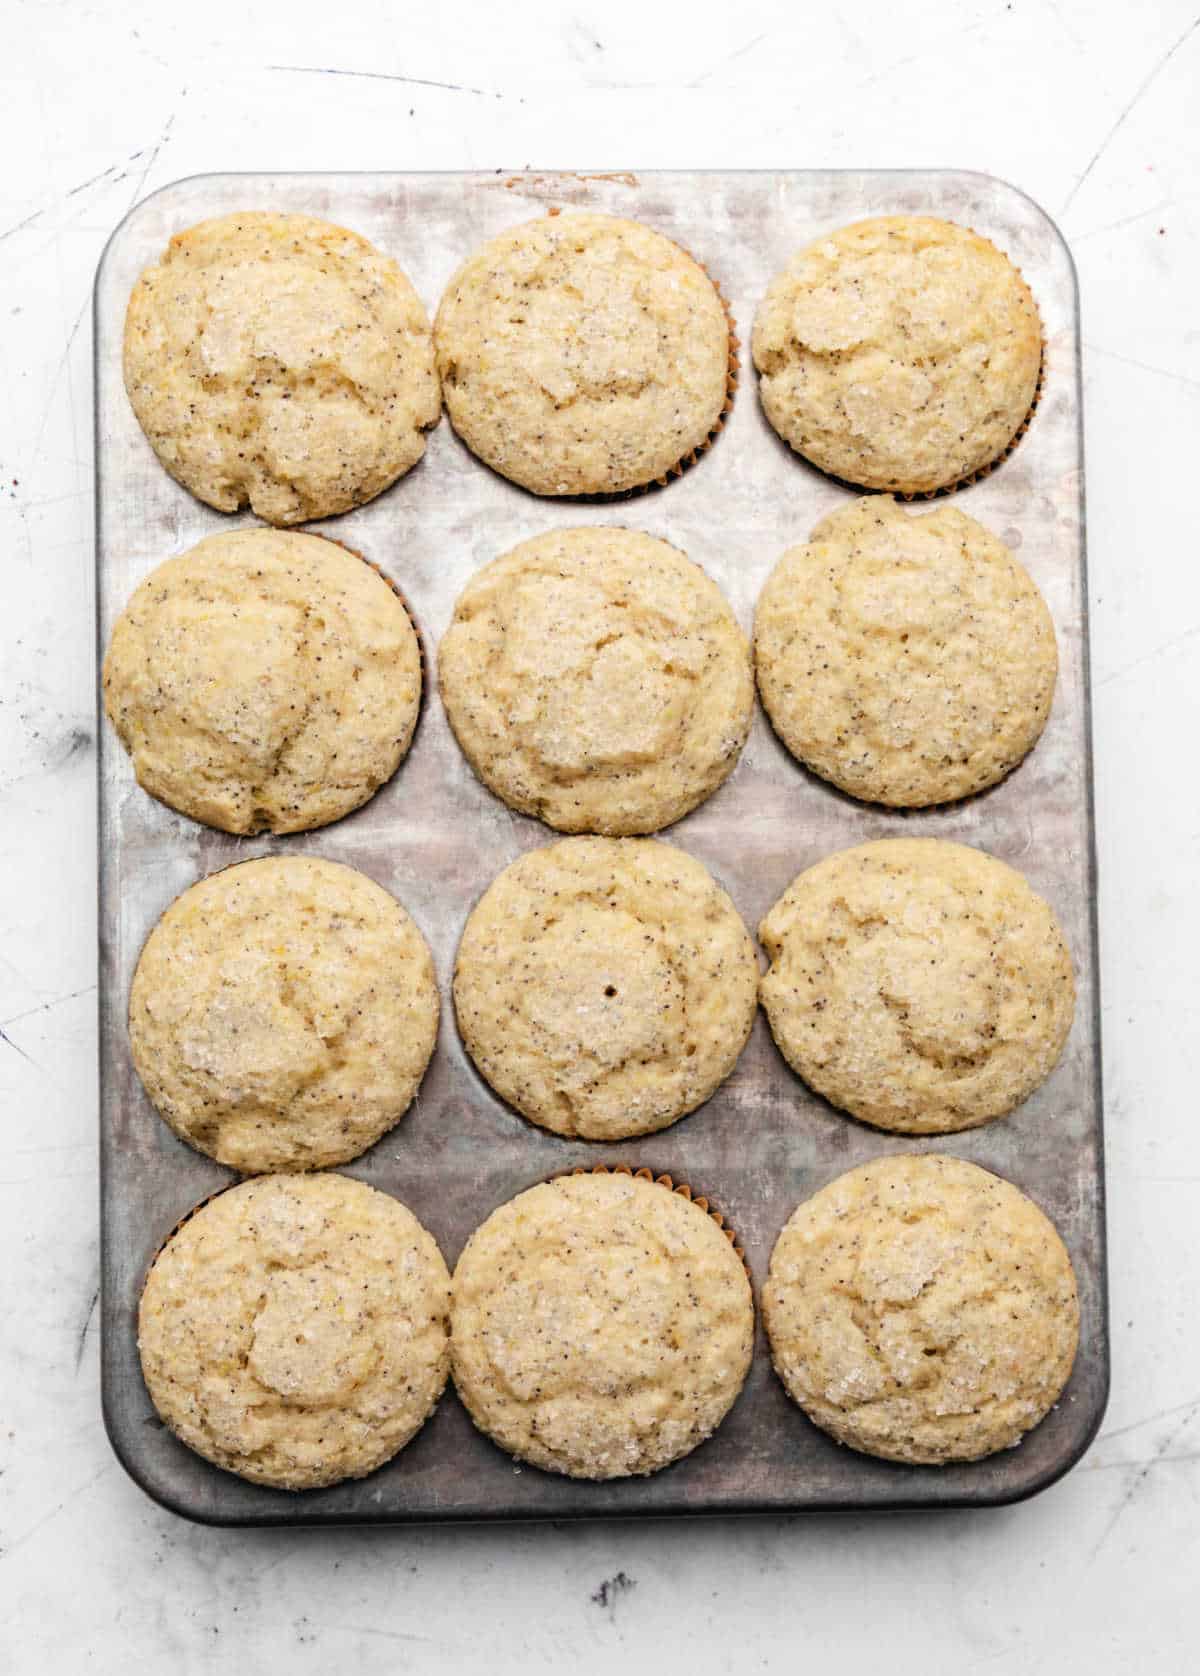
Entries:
{"x":605,"y":986}
{"x":922,"y":1310}
{"x":597,"y":678}
{"x":294,"y":1330}
{"x":601,"y":1325}
{"x":264,"y":680}
{"x":583,"y":354}
{"x":909,"y":660}
{"x":920,"y":985}
{"x":899,"y":353}
{"x":282,"y":1014}
{"x":280,"y":362}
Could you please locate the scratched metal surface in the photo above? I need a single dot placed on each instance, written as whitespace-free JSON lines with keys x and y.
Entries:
{"x":435,"y":838}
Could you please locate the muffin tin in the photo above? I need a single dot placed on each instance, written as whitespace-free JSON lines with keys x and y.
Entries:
{"x":436,"y":838}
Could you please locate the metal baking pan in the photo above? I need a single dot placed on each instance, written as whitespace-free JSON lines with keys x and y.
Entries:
{"x":435,"y":838}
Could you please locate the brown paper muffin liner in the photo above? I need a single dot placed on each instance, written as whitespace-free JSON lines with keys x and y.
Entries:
{"x":671,"y":1186}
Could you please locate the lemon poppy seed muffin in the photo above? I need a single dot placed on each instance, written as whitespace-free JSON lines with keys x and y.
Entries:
{"x":923,"y":1310}
{"x":583,"y":354}
{"x":295,"y":1330}
{"x":281,"y":362}
{"x":899,"y":353}
{"x":282,"y":1013}
{"x":909,"y":660}
{"x":598,"y":679}
{"x":920,"y":985}
{"x":605,"y":986}
{"x":601,"y":1326}
{"x":264,"y":680}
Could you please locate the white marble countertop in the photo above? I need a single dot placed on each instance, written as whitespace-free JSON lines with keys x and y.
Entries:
{"x":1091,"y":109}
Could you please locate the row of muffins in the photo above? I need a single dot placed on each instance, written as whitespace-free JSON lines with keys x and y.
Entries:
{"x":298,"y":1330}
{"x":594,"y":677}
{"x":284,"y":1010}
{"x":285,"y":363}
